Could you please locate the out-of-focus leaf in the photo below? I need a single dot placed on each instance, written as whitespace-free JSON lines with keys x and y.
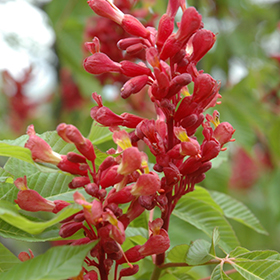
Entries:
{"x":238,"y":211}
{"x":200,"y":210}
{"x":58,"y":263}
{"x":178,"y":253}
{"x":7,"y":259}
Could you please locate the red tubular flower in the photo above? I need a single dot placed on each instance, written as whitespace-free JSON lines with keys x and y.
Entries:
{"x":202,"y":41}
{"x":120,"y":197}
{"x":131,"y":121}
{"x":132,"y":255}
{"x":131,"y":161}
{"x":105,"y":116}
{"x":41,"y":151}
{"x":204,"y":85}
{"x":165,"y":28}
{"x":132,"y":69}
{"x":223,"y":133}
{"x":146,"y":184}
{"x":106,"y":9}
{"x":190,"y":22}
{"x":100,"y":63}
{"x":92,"y":211}
{"x":30,"y":200}
{"x":158,"y":242}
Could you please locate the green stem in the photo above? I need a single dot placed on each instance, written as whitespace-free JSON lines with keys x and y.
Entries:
{"x":156,"y":273}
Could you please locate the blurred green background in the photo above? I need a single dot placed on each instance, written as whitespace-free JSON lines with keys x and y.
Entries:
{"x":246,"y":58}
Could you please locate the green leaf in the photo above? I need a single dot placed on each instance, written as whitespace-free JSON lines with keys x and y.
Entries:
{"x":58,"y":263}
{"x":99,"y":134}
{"x":199,"y":209}
{"x":256,"y":264}
{"x":21,"y":153}
{"x":255,"y":255}
{"x":215,"y":241}
{"x":10,"y":214}
{"x":218,"y":274}
{"x":7,"y":259}
{"x":198,"y":252}
{"x":259,"y":269}
{"x":178,"y":253}
{"x":238,"y":251}
{"x":238,"y":211}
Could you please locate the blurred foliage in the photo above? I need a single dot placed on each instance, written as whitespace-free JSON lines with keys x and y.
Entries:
{"x":247,"y":37}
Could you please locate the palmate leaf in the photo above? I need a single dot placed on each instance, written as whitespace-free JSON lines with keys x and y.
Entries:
{"x":199,"y":209}
{"x":7,"y":259}
{"x":10,"y":214}
{"x":58,"y":263}
{"x":238,"y":211}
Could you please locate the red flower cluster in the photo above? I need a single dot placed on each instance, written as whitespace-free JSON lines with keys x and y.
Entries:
{"x":168,"y":67}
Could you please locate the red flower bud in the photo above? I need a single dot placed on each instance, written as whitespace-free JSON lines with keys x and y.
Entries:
{"x":178,"y":83}
{"x":100,"y":63}
{"x":127,"y":42}
{"x":129,"y":271}
{"x":223,"y":133}
{"x":76,"y":158}
{"x":120,"y":197}
{"x":71,"y":167}
{"x":134,"y":27}
{"x":59,"y":205}
{"x":134,"y":49}
{"x":133,"y":85}
{"x":110,"y":177}
{"x":69,"y":229}
{"x":24,"y":256}
{"x":79,"y":182}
